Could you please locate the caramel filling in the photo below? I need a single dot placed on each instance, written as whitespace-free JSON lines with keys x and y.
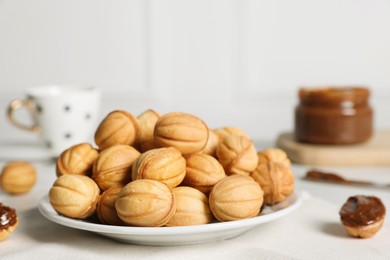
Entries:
{"x":333,"y":115}
{"x":324,"y":176}
{"x":7,"y":217}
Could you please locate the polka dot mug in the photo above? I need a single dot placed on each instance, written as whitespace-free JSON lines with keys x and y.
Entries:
{"x":61,"y":115}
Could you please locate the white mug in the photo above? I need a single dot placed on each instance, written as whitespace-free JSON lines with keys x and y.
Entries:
{"x":62,"y":115}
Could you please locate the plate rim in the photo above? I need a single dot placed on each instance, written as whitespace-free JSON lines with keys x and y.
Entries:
{"x":48,"y":212}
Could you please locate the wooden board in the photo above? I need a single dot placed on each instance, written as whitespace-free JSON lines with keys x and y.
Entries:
{"x":375,"y":152}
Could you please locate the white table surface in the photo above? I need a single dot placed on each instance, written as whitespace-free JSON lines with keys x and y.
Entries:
{"x":311,"y":232}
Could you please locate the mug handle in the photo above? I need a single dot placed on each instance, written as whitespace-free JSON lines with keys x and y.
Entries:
{"x":18,"y":104}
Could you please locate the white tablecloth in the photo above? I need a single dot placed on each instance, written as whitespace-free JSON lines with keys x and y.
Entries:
{"x":313,"y":231}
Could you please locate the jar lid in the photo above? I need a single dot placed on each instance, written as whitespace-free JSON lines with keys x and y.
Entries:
{"x":332,"y":96}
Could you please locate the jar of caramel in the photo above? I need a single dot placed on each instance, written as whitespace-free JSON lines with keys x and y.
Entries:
{"x":333,"y":115}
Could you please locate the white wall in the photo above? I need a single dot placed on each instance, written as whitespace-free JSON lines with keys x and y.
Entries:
{"x":230,"y":62}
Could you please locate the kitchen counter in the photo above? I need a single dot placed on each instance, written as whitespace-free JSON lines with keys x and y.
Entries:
{"x":313,"y":231}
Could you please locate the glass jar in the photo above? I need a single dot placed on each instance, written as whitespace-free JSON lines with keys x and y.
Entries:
{"x":333,"y":115}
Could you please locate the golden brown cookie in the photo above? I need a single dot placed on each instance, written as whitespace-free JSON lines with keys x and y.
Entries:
{"x":74,"y":196}
{"x":113,"y":166}
{"x":203,"y":172}
{"x":146,"y":203}
{"x":236,"y":197}
{"x":237,"y":154}
{"x":162,"y":164}
{"x":185,"y":132}
{"x":276,"y":180}
{"x":77,"y":159}
{"x":192,"y":208}
{"x":147,"y":121}
{"x":18,"y":177}
{"x":118,"y":127}
{"x":105,"y":209}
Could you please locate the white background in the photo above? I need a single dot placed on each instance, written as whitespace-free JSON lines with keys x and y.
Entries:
{"x":230,"y":62}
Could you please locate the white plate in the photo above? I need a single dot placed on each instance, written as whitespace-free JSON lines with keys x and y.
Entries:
{"x":164,"y":236}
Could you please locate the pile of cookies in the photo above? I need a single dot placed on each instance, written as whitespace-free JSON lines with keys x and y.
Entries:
{"x":168,"y":170}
